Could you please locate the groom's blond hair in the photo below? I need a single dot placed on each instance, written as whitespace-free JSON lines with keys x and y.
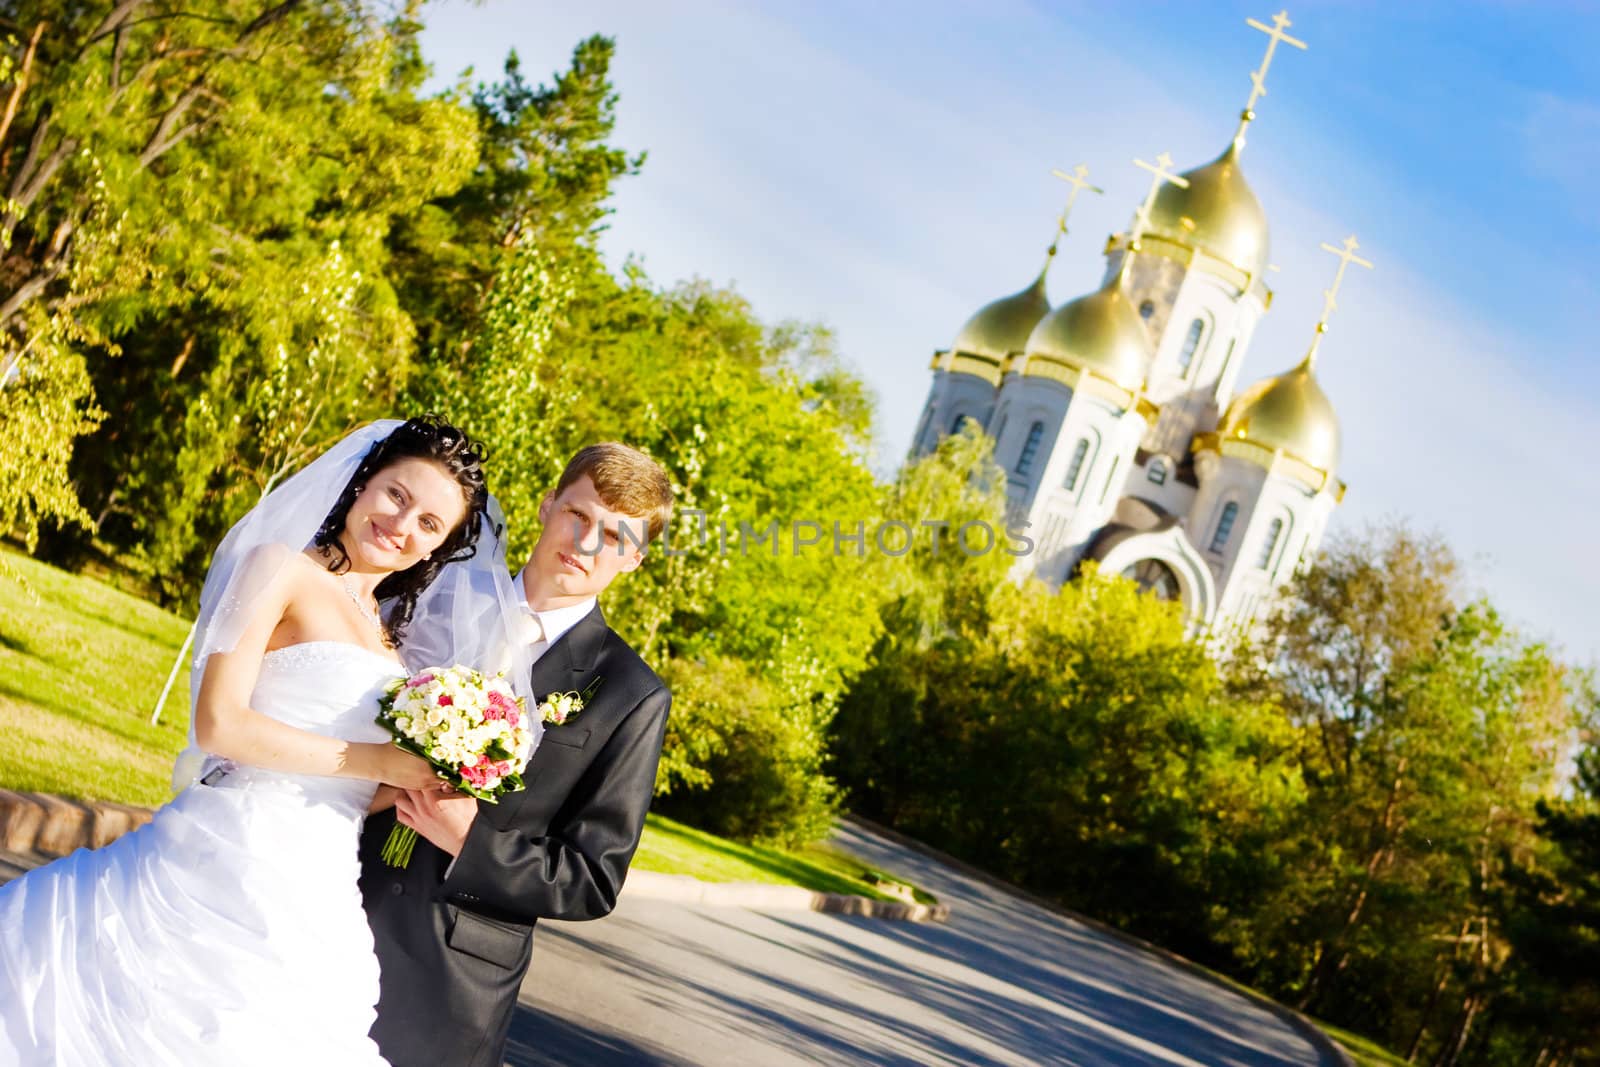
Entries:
{"x":627,"y":480}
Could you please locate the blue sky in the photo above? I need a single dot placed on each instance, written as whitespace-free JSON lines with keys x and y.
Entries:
{"x":884,"y":168}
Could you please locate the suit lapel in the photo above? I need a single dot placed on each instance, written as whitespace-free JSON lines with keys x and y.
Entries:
{"x":566,"y":664}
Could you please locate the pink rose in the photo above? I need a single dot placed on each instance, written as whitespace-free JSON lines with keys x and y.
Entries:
{"x":444,"y":700}
{"x":421,"y":679}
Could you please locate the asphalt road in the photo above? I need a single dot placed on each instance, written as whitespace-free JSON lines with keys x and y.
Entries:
{"x":1004,"y":982}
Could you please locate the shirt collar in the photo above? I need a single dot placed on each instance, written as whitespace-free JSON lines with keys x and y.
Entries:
{"x":556,"y":621}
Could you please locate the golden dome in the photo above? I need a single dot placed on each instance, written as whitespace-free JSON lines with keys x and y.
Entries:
{"x":1100,"y":332}
{"x":1288,"y":413}
{"x":1216,"y":213}
{"x":1002,"y":327}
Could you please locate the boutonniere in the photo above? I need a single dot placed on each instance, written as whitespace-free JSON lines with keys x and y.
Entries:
{"x":557,"y":708}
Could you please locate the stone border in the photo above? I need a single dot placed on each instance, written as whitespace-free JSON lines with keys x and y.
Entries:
{"x":53,"y":826}
{"x":680,"y":888}
{"x":1331,"y":1049}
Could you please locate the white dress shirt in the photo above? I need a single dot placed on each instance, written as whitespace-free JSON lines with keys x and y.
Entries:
{"x":546,"y":627}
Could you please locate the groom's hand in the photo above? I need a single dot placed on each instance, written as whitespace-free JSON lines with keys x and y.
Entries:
{"x":441,"y":818}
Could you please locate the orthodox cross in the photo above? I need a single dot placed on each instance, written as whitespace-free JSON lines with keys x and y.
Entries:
{"x":1079,"y":180}
{"x":1330,"y":296}
{"x":1347,"y":255}
{"x":1159,"y":175}
{"x":1258,"y":78}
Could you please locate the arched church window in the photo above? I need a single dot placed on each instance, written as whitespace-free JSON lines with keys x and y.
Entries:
{"x":1191,"y":343}
{"x":961,"y":419}
{"x":1230,"y":515}
{"x":1154,"y":576}
{"x":1274,"y":532}
{"x":1147,"y":309}
{"x":1157,"y":472}
{"x":1030,"y":449}
{"x":1080,"y":452}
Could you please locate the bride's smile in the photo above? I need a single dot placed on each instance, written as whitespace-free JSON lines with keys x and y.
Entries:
{"x":402,"y":515}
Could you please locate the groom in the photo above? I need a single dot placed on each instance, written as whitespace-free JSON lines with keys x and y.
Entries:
{"x":453,"y":929}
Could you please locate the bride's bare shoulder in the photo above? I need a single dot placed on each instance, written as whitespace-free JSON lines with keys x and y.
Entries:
{"x":279,"y":565}
{"x":309,"y":565}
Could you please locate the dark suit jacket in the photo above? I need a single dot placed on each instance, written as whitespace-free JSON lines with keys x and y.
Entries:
{"x":453,"y":950}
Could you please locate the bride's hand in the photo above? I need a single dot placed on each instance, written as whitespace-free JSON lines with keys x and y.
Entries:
{"x":402,"y":769}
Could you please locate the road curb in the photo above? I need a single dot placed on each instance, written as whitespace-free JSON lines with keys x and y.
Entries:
{"x":1331,"y":1049}
{"x":758,"y":896}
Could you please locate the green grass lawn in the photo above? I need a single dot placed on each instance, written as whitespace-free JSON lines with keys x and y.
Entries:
{"x":672,"y":848}
{"x":1365,"y":1051}
{"x":80,"y":671}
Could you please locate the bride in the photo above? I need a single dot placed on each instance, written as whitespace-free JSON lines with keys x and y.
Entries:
{"x":229,"y":929}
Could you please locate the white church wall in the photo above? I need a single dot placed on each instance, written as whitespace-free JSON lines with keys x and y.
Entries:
{"x":1156,"y":481}
{"x":1231,"y":318}
{"x":1216,"y":531}
{"x":1284,"y":529}
{"x":1070,"y":511}
{"x":1033,"y":409}
{"x":1198,"y":358}
{"x":950,"y":398}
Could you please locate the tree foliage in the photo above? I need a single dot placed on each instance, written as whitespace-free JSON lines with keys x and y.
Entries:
{"x":756,"y":427}
{"x":1552,"y":916}
{"x":1079,"y":743}
{"x":199,"y":199}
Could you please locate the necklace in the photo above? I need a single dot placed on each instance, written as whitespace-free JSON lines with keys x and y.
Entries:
{"x":366,"y":613}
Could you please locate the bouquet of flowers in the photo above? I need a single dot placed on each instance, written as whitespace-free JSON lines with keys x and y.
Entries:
{"x":473,"y":728}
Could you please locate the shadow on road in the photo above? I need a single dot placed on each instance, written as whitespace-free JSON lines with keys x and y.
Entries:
{"x":539,"y":1039}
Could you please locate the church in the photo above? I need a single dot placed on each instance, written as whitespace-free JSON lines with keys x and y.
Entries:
{"x":1128,"y":430}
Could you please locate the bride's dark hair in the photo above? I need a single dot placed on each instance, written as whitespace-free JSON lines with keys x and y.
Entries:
{"x":431,"y":438}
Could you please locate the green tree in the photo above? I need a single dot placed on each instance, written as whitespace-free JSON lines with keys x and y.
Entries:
{"x":1553,"y":918}
{"x":933,"y":595}
{"x":200,"y":202}
{"x":544,"y":173}
{"x":1430,"y":732}
{"x":45,"y":407}
{"x":1371,"y":609}
{"x":756,"y":426}
{"x":1074,"y":741}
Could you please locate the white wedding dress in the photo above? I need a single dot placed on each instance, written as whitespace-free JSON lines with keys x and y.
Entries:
{"x":228,"y":930}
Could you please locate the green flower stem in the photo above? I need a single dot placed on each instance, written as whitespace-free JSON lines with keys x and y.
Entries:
{"x":397,"y":849}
